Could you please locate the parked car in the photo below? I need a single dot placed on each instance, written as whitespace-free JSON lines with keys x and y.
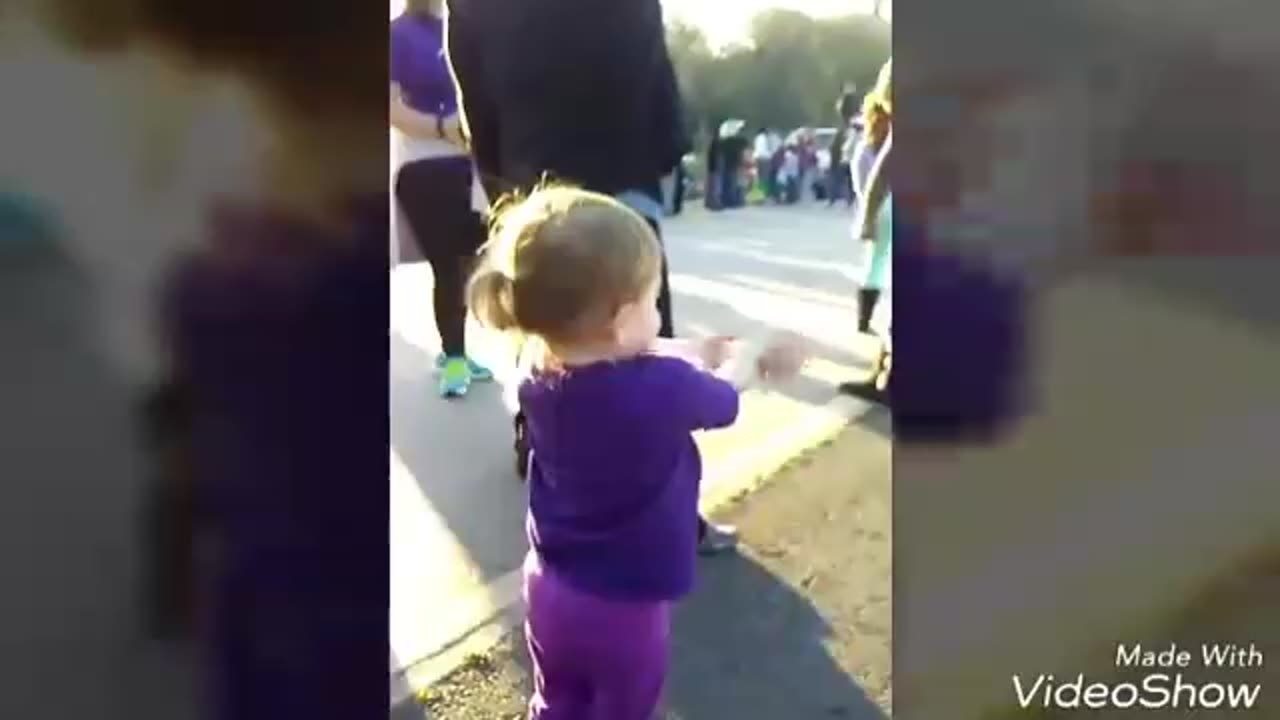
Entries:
{"x":822,"y":138}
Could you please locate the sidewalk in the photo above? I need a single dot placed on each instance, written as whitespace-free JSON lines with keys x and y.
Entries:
{"x":797,"y":625}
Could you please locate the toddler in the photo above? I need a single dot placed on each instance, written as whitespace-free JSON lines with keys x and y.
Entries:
{"x":613,"y":484}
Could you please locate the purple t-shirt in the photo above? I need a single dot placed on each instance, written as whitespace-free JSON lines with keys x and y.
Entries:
{"x":419,"y":65}
{"x":613,"y":491}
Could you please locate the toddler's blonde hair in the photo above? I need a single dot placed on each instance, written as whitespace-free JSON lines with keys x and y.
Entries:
{"x":560,"y":263}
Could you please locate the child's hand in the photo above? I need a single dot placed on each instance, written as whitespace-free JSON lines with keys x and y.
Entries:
{"x":782,"y":358}
{"x":715,"y":351}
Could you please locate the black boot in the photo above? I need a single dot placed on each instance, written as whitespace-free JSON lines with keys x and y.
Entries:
{"x":866,"y":390}
{"x":867,"y":298}
{"x":873,"y":389}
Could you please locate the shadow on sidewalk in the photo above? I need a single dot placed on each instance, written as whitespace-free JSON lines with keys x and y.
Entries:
{"x":749,"y":646}
{"x":878,"y":419}
{"x":460,"y":454}
{"x":746,"y":646}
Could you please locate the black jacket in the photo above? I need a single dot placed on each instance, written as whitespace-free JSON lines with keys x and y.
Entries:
{"x":582,"y":90}
{"x":848,"y":106}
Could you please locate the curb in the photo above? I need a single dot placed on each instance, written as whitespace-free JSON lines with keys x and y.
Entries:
{"x":500,"y":607}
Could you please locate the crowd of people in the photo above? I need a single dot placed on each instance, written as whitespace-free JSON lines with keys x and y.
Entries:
{"x":772,"y":168}
{"x":764,"y":168}
{"x":778,"y":170}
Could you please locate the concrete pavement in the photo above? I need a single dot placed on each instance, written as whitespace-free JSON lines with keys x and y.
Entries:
{"x":456,"y":506}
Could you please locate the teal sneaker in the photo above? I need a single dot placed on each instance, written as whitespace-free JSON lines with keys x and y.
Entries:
{"x":455,"y":378}
{"x":479,"y":373}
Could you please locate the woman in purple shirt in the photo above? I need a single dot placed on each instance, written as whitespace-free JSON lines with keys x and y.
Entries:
{"x":613,"y":483}
{"x":435,"y":184}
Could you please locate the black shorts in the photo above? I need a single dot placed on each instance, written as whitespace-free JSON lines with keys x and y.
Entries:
{"x":435,"y":196}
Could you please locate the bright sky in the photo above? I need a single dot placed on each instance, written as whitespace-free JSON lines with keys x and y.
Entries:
{"x":723,"y":27}
{"x":725,"y":22}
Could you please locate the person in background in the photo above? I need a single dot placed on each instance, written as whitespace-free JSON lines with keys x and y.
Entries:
{"x":601,"y":110}
{"x":775,"y":160}
{"x":713,"y":182}
{"x":775,"y":141}
{"x":839,"y":181}
{"x":789,"y":174}
{"x":775,"y":170}
{"x":808,"y":152}
{"x":852,"y":141}
{"x":874,"y":227}
{"x":434,"y":185}
{"x":877,"y":120}
{"x":579,"y":272}
{"x":681,"y":187}
{"x":847,"y":104}
{"x":762,"y":157}
{"x":669,"y":194}
{"x":735,"y":157}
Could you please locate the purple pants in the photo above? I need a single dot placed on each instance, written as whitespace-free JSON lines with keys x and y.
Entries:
{"x":593,"y":659}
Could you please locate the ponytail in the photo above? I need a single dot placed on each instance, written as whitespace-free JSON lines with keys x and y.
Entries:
{"x":491,"y":296}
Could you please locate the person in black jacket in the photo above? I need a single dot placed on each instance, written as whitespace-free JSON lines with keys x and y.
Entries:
{"x":580,"y":91}
{"x":732,"y":151}
{"x":543,"y":96}
{"x":713,"y":189}
{"x":848,"y":104}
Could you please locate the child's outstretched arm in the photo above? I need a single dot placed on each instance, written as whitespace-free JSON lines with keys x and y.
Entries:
{"x":769,"y":359}
{"x":700,"y":399}
{"x":709,"y":383}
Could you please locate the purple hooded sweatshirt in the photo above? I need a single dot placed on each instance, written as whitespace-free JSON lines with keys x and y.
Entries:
{"x":285,"y":354}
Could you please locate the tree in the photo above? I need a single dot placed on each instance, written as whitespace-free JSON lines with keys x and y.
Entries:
{"x":787,"y":76}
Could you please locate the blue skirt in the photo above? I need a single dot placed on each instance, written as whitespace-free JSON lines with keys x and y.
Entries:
{"x":878,"y":262}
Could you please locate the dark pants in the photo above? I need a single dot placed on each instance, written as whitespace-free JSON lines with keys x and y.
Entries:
{"x":731,"y":190}
{"x":791,"y":191}
{"x":839,"y":184}
{"x":714,"y":197}
{"x":667,"y":329}
{"x":677,"y":201}
{"x":867,"y":298}
{"x":436,"y":198}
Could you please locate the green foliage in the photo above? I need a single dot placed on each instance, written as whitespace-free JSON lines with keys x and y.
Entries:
{"x":789,"y":75}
